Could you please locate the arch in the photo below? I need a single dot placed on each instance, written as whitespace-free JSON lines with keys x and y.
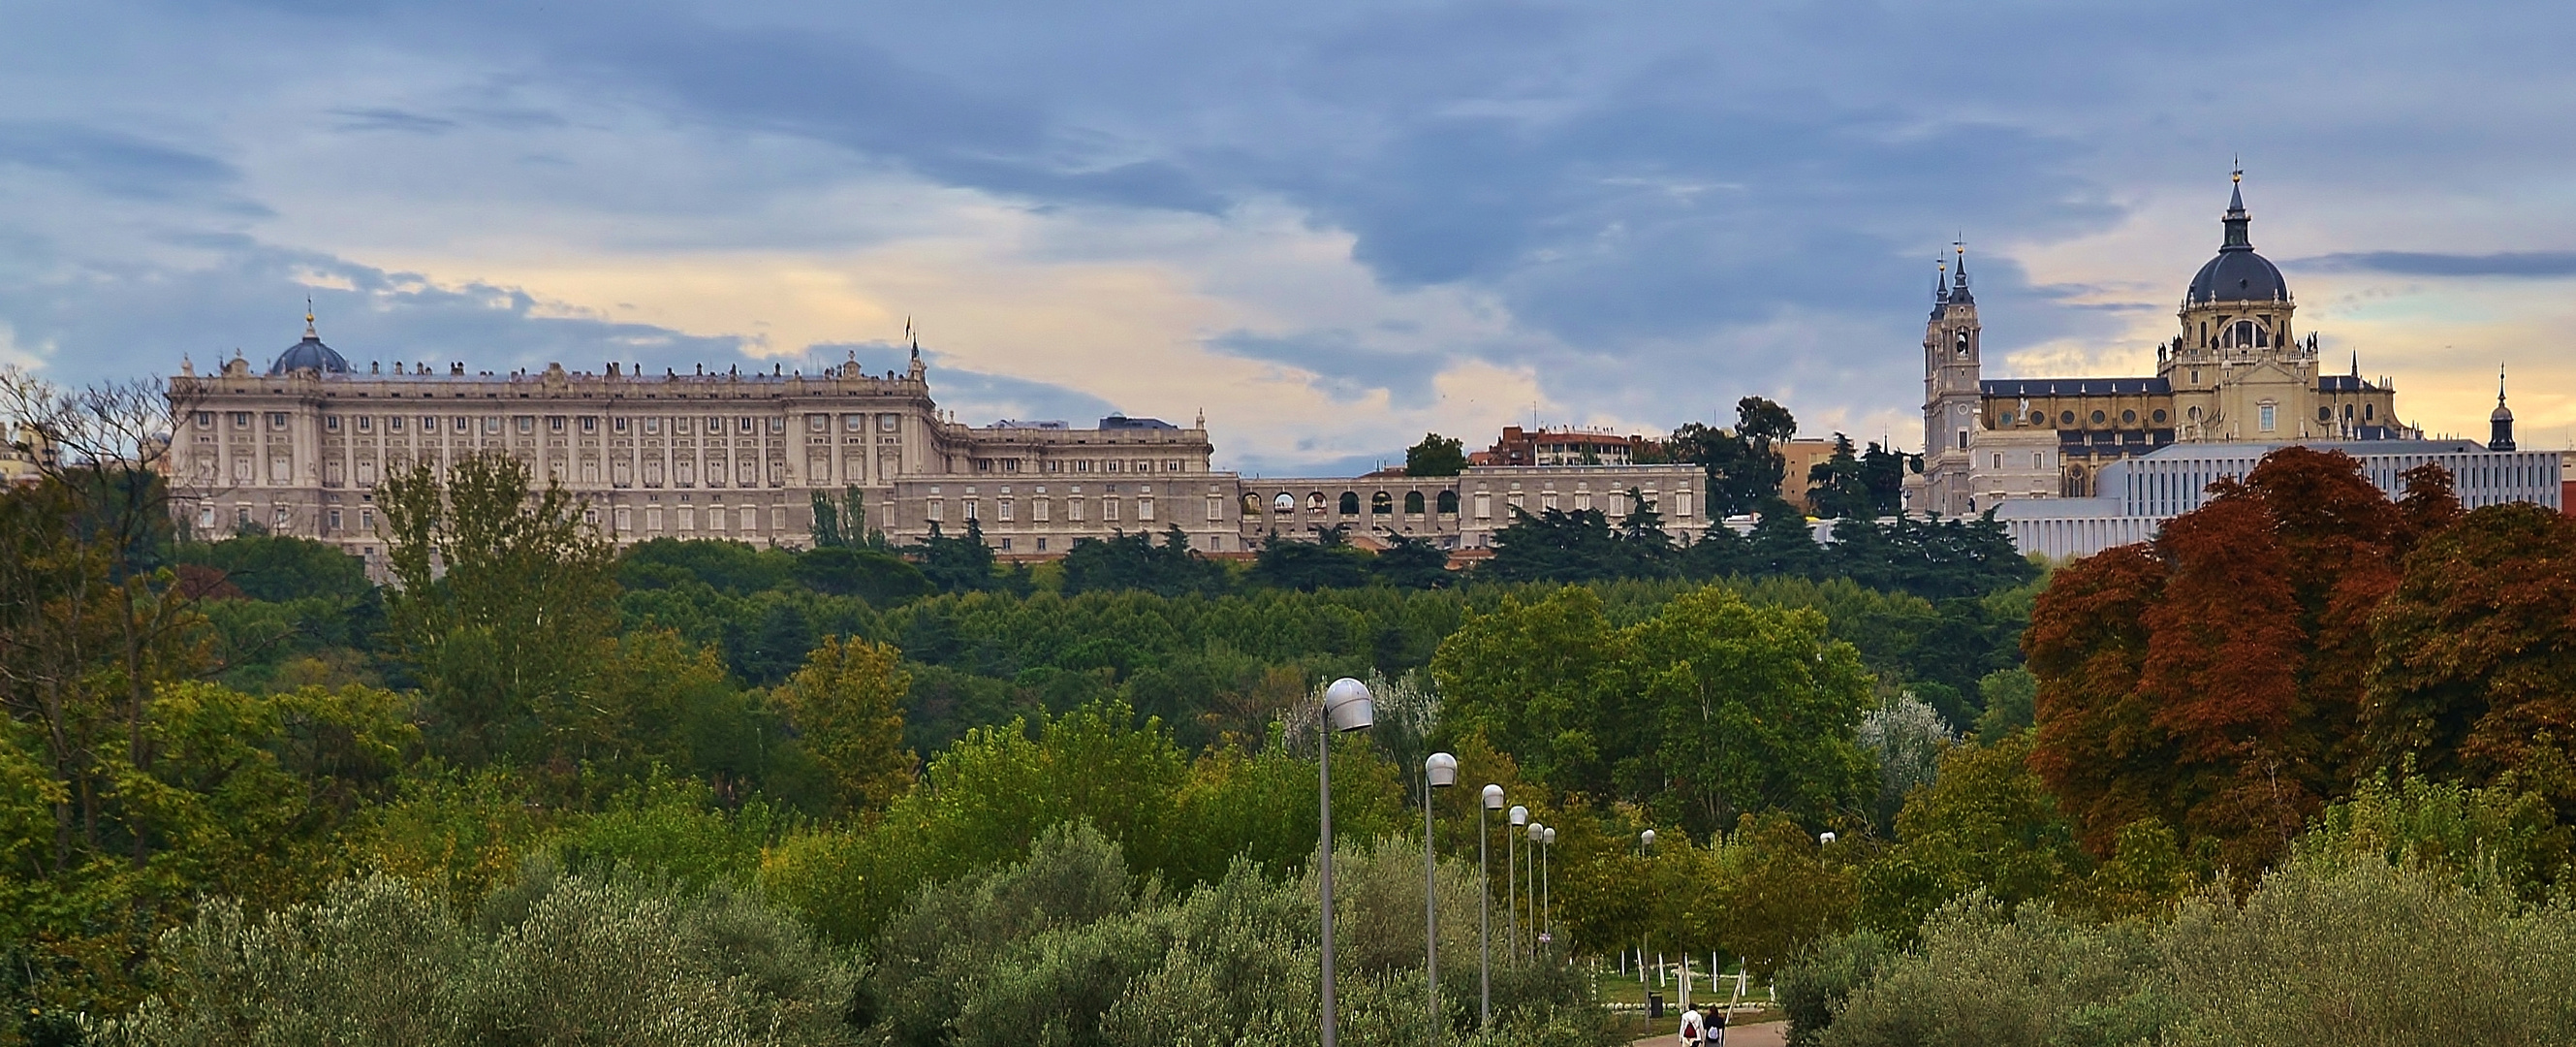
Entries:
{"x":1413,"y":503}
{"x":1448,"y":503}
{"x":1381,"y":503}
{"x":1315,"y":502}
{"x":1350,"y":503}
{"x":1252,"y":503}
{"x":1286,"y":503}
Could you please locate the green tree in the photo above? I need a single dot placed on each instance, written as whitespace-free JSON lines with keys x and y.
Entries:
{"x":1411,"y":562}
{"x":847,"y":707}
{"x":507,"y":601}
{"x":272,"y":568}
{"x":1436,"y":455}
{"x":1328,"y":562}
{"x":958,"y":565}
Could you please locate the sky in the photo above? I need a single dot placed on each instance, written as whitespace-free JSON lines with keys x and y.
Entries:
{"x":1332,"y":227}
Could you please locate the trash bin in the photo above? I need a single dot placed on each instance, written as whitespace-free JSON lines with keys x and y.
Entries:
{"x":1654,"y":1005}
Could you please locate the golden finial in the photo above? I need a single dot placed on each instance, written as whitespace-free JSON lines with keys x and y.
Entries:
{"x":308,"y":318}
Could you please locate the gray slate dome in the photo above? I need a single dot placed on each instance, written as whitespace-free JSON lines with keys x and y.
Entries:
{"x":309,"y":355}
{"x":2237,"y":274}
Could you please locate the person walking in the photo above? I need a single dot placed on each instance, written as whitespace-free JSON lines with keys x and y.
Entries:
{"x":1694,"y":1030}
{"x":1712,"y":1029}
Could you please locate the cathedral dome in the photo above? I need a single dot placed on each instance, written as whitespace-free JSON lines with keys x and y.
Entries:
{"x":309,"y":355}
{"x":2237,"y":274}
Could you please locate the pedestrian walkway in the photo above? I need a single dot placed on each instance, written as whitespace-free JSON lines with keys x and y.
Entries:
{"x":1767,"y":1034}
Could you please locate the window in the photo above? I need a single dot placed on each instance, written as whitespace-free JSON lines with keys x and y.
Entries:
{"x":2128,"y":418}
{"x":1285,"y":503}
{"x":1484,"y":506}
{"x":491,"y":424}
{"x":936,"y":510}
{"x":1963,"y":439}
{"x":1144,"y":508}
{"x":394,"y":423}
{"x":1413,"y":503}
{"x":2325,"y":414}
{"x":1038,"y":509}
{"x":2098,"y":418}
{"x":2160,"y":416}
{"x":816,"y":423}
{"x":1381,"y":503}
{"x":617,"y":425}
{"x":1002,"y":510}
{"x":205,"y":419}
{"x":334,"y":517}
{"x":625,"y":519}
{"x":1073,"y":509}
{"x":1448,"y":503}
{"x":2267,"y":410}
{"x":777,"y":426}
{"x":854,"y":423}
{"x":554,"y":423}
{"x":1315,"y":501}
{"x":2039,"y":459}
{"x":589,"y":425}
{"x":367,"y":520}
{"x":1041,"y":545}
{"x":1681,"y":503}
{"x":2369,"y":412}
{"x":1998,"y":460}
{"x":1215,"y":509}
{"x":1350,"y":503}
{"x":653,"y":427}
{"x":2065,"y":417}
{"x":331,"y":423}
{"x":277,"y":419}
{"x":1108,"y":509}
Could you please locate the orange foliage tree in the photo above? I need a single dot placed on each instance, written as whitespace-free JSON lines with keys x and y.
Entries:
{"x":2214,"y":680}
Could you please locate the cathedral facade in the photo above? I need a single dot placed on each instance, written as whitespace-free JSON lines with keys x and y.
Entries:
{"x":2238,"y":371}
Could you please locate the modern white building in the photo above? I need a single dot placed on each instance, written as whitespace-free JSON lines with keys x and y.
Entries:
{"x":2137,"y":495}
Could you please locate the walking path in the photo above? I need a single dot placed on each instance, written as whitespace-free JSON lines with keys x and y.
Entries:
{"x":1767,"y":1034}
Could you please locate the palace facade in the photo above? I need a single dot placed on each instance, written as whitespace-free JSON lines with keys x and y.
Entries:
{"x":301,"y":448}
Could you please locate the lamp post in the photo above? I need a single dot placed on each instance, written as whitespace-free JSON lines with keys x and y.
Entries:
{"x":1493,"y":797}
{"x":1536,"y":831}
{"x":1546,"y":898}
{"x":1645,"y":849}
{"x":1347,"y":707}
{"x":1512,"y":878}
{"x":1439,"y":771}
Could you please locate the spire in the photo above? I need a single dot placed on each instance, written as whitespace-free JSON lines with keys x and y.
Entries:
{"x":2356,"y":363}
{"x":1959,"y":275}
{"x":308,"y":318}
{"x":1940,"y":280}
{"x":2500,"y":423}
{"x":2237,"y":219}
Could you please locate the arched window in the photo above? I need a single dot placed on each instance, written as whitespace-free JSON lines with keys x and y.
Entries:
{"x":1286,"y":503}
{"x":2194,"y":413}
{"x":1413,"y":503}
{"x":1448,"y":503}
{"x":1350,"y":503}
{"x":2244,"y":333}
{"x":1381,"y":503}
{"x":1252,"y":504}
{"x":1315,"y":502}
{"x":2369,"y":412}
{"x":2347,"y":412}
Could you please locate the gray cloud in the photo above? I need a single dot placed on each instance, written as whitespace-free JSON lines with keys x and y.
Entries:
{"x":2421,"y":263}
{"x":1344,"y":365}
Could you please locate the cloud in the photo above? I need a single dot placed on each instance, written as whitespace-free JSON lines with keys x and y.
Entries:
{"x":2542,"y":264}
{"x":111,"y":163}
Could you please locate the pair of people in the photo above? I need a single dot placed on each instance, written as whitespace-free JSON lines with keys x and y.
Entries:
{"x":1705,"y":1027}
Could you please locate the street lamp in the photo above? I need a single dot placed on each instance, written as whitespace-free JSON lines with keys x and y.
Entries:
{"x":1439,"y":771}
{"x":1546,"y":898}
{"x":1536,"y":834}
{"x":1511,"y":879}
{"x":1645,"y":848}
{"x":1347,"y":707}
{"x":1493,"y":797}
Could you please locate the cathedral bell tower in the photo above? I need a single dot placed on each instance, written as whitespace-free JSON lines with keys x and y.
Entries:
{"x":1950,"y":391}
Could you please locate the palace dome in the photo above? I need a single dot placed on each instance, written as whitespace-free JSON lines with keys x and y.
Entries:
{"x":309,"y":355}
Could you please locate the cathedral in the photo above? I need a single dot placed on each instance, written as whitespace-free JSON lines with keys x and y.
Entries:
{"x":2236,"y":372}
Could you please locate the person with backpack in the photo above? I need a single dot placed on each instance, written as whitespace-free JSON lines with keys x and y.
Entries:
{"x":1713,"y":1027}
{"x":1694,"y":1030}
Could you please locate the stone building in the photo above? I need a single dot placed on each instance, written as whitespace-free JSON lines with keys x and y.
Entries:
{"x":2236,"y":371}
{"x":302,"y":447}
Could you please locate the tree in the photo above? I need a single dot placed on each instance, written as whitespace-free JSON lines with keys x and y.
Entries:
{"x":847,"y":707}
{"x":1411,"y":562}
{"x":273,"y":568}
{"x":1328,"y":562}
{"x":1133,"y":561}
{"x":507,"y":601}
{"x":957,"y":565}
{"x":1836,"y":487}
{"x":1436,"y":455}
{"x":2473,"y":675}
{"x":1744,"y":465}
